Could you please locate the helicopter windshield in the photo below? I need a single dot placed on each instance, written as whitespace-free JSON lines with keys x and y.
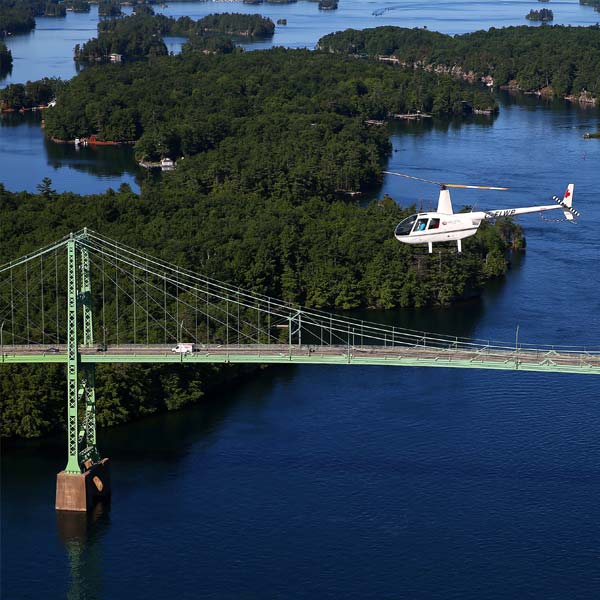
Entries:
{"x":405,"y":227}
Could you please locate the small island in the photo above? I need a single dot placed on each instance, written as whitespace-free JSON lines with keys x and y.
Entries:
{"x":31,"y":95}
{"x":544,"y":15}
{"x":328,"y":5}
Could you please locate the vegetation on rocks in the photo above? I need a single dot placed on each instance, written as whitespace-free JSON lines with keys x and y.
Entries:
{"x":566,"y":59}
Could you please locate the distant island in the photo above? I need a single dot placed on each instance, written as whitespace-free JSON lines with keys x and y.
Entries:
{"x":30,"y":95}
{"x":545,"y":15}
{"x":18,"y":16}
{"x":140,"y":35}
{"x":78,"y":6}
{"x":328,"y":5}
{"x":508,"y":57}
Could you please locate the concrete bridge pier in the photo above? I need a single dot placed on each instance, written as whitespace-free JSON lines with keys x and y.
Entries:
{"x":80,"y":491}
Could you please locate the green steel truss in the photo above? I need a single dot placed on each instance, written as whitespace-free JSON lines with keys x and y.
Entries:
{"x":73,"y":391}
{"x":141,"y":308}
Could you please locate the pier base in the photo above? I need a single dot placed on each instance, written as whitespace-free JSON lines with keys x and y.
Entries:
{"x":80,"y":491}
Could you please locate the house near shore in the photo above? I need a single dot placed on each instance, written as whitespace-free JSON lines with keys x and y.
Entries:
{"x":167,"y":164}
{"x":115,"y":58}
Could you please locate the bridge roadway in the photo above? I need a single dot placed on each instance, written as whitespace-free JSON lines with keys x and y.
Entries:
{"x":484,"y":357}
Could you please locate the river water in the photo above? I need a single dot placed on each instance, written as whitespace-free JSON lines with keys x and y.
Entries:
{"x":365,"y":482}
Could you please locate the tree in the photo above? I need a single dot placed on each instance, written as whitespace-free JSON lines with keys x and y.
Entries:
{"x":45,"y":188}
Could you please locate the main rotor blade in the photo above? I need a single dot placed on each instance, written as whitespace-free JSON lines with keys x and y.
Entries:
{"x":474,"y":187}
{"x":412,"y":177}
{"x":448,"y":185}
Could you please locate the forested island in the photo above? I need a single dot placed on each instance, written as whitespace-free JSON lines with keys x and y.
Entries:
{"x":28,"y":95}
{"x":556,"y":60}
{"x":18,"y":16}
{"x":196,"y":103}
{"x":140,"y":36}
{"x":544,"y":15}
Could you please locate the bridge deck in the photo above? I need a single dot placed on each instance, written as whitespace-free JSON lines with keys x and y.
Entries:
{"x":423,"y":356}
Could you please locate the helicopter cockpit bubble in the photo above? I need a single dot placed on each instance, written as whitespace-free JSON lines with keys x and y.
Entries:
{"x":405,"y":226}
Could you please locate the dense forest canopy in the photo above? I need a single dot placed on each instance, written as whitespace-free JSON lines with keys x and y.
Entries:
{"x":564,"y":58}
{"x":109,"y":8}
{"x":18,"y":16}
{"x":320,"y":252}
{"x":246,"y":113}
{"x":55,"y":9}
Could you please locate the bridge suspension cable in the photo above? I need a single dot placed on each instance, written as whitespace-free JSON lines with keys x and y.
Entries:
{"x":140,"y":299}
{"x":88,"y":299}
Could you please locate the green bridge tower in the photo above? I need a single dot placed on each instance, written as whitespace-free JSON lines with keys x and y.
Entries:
{"x":86,"y":477}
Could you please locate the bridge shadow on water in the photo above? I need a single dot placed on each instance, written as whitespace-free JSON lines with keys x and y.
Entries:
{"x":168,"y":437}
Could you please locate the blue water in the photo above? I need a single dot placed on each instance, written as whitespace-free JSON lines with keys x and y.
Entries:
{"x":366,"y":482}
{"x":27,"y":157}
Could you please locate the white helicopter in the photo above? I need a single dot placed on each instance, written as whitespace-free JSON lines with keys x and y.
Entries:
{"x":445,"y":225}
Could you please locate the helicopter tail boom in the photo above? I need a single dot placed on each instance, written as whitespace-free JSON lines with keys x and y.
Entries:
{"x":565,"y":203}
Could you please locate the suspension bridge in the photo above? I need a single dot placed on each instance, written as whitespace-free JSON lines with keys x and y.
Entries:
{"x":87,"y":300}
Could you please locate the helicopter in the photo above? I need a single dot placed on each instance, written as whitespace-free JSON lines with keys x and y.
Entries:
{"x":445,"y":225}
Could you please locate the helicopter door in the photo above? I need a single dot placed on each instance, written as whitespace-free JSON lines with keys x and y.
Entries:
{"x":421,"y":225}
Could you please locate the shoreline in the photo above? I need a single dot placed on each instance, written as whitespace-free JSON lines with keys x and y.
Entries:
{"x":91,"y":141}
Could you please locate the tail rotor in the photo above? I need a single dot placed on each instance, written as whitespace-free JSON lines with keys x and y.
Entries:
{"x":567,"y":204}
